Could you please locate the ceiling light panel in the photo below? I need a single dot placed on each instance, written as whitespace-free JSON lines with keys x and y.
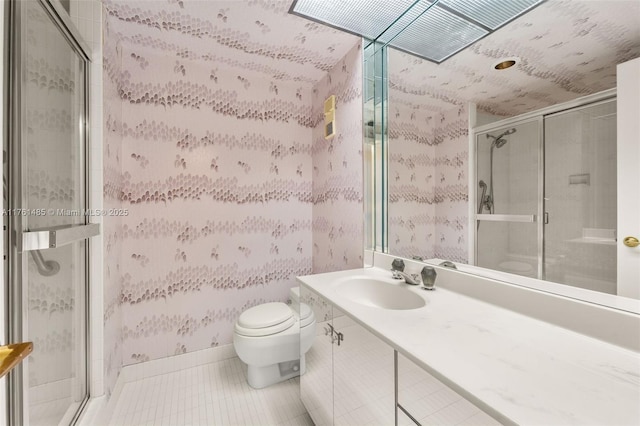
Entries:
{"x":432,"y":29}
{"x":368,"y":18}
{"x":405,"y":20}
{"x":438,"y":34}
{"x":490,"y":13}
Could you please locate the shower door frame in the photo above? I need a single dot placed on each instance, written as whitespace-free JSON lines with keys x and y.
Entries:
{"x":15,"y":263}
{"x":512,"y":218}
{"x":539,"y":115}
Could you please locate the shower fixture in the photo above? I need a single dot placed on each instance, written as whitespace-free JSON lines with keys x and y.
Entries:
{"x":498,"y":142}
{"x":482,"y":185}
{"x":487,"y":201}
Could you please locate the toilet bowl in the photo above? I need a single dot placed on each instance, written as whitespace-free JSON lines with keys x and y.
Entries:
{"x":517,"y":267}
{"x":272,"y":339}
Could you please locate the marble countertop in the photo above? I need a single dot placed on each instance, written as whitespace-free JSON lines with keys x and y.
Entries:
{"x":518,"y":369}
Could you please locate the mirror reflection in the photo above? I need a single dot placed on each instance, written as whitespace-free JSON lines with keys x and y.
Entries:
{"x":504,"y":155}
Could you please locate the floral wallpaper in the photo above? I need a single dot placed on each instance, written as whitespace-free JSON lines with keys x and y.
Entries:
{"x":337,"y":170}
{"x":213,"y":153}
{"x":217,"y":179}
{"x":112,"y":199}
{"x":427,"y":189}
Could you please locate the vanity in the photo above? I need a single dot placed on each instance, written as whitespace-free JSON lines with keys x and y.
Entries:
{"x":390,"y":353}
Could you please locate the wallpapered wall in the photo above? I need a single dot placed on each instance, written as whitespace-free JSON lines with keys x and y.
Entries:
{"x":428,"y":190}
{"x":217,"y":179}
{"x":112,"y":193}
{"x":215,"y":165}
{"x":337,"y":170}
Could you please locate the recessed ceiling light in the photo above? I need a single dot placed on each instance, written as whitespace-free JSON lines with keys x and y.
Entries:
{"x":504,"y":64}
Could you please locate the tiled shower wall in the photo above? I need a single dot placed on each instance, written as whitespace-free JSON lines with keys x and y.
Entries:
{"x":428,"y":190}
{"x":337,"y":169}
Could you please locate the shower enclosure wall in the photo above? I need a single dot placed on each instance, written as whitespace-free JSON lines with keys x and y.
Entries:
{"x":545,"y":190}
{"x":47,"y":228}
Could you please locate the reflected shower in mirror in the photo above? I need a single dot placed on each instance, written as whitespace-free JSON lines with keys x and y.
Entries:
{"x":476,"y":175}
{"x":488,"y":201}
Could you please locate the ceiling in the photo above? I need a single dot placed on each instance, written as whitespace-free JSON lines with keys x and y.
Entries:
{"x":567,"y":49}
{"x":251,"y":34}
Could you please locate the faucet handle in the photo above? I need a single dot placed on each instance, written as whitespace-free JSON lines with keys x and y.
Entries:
{"x":397,"y":265}
{"x":429,"y":278}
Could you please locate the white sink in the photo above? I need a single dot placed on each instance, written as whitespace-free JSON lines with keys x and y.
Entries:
{"x":379,"y":293}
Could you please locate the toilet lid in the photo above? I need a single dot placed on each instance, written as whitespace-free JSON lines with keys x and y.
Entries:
{"x":265,"y":315}
{"x":306,"y":315}
{"x":265,"y":331}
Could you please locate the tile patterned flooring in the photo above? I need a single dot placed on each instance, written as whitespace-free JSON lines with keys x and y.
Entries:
{"x":218,"y":394}
{"x":211,"y":394}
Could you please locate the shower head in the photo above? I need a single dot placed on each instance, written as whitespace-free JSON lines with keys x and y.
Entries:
{"x":498,"y":142}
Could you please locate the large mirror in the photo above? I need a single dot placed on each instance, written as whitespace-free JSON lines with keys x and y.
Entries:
{"x":504,"y":155}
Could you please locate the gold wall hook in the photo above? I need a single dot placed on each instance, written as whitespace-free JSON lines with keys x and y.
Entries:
{"x":631,"y":242}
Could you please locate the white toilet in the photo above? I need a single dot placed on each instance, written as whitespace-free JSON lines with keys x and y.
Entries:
{"x":517,"y":267}
{"x":272,"y":339}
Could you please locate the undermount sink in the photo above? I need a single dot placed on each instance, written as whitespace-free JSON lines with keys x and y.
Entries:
{"x":379,"y":294}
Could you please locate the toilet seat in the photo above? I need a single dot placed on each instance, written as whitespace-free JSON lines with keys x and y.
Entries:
{"x":265,"y":319}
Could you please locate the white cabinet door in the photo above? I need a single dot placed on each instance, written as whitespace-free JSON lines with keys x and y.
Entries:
{"x":362,"y":375}
{"x":431,"y":402}
{"x":628,"y":177}
{"x":316,"y":384}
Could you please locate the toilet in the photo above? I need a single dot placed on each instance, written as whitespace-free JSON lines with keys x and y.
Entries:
{"x":518,"y":268}
{"x":272,"y":339}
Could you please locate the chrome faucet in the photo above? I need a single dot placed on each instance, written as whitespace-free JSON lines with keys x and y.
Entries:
{"x":448,"y":264}
{"x":397,"y":269}
{"x":409,"y":279}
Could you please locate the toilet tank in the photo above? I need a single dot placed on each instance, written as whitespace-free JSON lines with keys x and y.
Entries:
{"x":294,"y":296}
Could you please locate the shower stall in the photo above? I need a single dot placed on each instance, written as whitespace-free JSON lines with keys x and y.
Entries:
{"x":45,"y":203}
{"x":545,"y":194}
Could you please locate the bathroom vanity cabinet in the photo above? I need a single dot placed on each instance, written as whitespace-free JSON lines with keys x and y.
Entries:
{"x":427,"y":400}
{"x":484,"y":356}
{"x":350,"y":378}
{"x":349,"y":372}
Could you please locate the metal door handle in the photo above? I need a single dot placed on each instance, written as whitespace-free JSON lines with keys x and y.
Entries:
{"x":631,"y":242}
{"x":41,"y":239}
{"x":507,"y":217}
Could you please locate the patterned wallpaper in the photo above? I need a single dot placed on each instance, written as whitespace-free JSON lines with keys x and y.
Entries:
{"x":112,"y":199}
{"x":217,"y":177}
{"x":214,"y":159}
{"x":253,"y":35}
{"x":427,"y":188}
{"x":337,"y":170}
{"x":567,"y":49}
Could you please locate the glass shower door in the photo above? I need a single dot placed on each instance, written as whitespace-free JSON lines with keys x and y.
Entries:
{"x":508,"y":189}
{"x":47,"y":205}
{"x":581,"y":197}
